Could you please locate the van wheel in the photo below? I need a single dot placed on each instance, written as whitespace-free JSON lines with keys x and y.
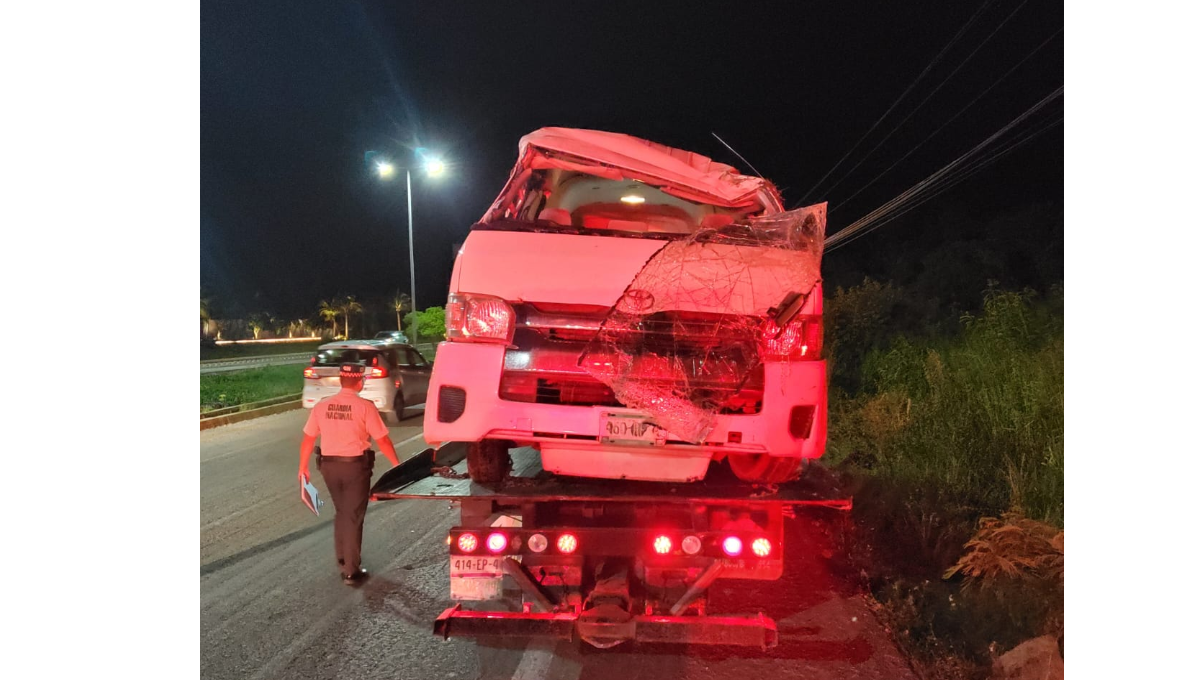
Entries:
{"x":397,"y":413}
{"x":763,"y":469}
{"x":488,"y":461}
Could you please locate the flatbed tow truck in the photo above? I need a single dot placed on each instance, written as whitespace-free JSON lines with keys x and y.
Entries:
{"x":605,"y":561}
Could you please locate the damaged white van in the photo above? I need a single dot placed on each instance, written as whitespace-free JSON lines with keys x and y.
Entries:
{"x":634,"y":311}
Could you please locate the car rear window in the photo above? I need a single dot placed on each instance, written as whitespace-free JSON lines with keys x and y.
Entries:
{"x":336,"y":357}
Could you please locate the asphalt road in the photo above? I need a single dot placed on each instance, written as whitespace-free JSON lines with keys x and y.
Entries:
{"x":272,"y":604}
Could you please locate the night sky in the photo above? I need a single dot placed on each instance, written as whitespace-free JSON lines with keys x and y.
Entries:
{"x":293,"y":93}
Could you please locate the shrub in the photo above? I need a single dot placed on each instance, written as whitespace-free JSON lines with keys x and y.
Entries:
{"x":979,"y":415}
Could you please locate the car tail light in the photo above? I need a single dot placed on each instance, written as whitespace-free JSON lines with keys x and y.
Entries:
{"x":479,"y":318}
{"x":691,"y":544}
{"x":310,"y":373}
{"x":567,"y":543}
{"x":662,"y":545}
{"x":376,"y":373}
{"x":538,"y":543}
{"x":761,"y":547}
{"x":468,"y":543}
{"x":732,"y":545}
{"x":799,"y":339}
{"x":497,"y":542}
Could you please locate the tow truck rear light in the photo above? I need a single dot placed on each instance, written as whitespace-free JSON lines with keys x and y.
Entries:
{"x":538,"y":543}
{"x":468,"y":543}
{"x":662,"y":545}
{"x":691,"y":544}
{"x":732,"y":545}
{"x":497,"y":542}
{"x":761,"y":547}
{"x":310,"y":373}
{"x":567,"y":543}
{"x":479,"y":318}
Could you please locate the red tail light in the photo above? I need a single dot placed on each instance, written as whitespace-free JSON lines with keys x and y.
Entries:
{"x":310,"y":373}
{"x":479,"y":318}
{"x":497,"y":542}
{"x":567,"y":543}
{"x":732,"y":546}
{"x":761,"y":547}
{"x":375,"y":373}
{"x":800,"y":339}
{"x":662,"y":545}
{"x":468,"y":543}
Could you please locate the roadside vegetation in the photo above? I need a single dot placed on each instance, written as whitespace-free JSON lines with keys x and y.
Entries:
{"x":335,"y":317}
{"x":221,"y":390}
{"x":951,"y":432}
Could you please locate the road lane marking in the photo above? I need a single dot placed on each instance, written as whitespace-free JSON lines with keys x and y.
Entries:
{"x":539,"y":657}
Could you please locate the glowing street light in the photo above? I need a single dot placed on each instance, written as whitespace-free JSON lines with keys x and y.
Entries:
{"x":432,"y":166}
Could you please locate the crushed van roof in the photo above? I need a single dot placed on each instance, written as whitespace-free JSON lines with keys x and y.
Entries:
{"x":611,"y":155}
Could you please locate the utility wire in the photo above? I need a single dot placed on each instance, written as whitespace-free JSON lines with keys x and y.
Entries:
{"x":953,"y":165}
{"x":946,"y":185}
{"x":929,"y":96}
{"x":936,"y":188}
{"x":932,"y":180}
{"x":921,"y":75}
{"x":1034,"y":51}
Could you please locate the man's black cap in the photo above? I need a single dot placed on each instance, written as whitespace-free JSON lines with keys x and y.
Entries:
{"x":352,"y":371}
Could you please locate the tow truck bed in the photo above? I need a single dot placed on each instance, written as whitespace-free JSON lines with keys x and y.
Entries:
{"x":596,"y":586}
{"x":445,"y":478}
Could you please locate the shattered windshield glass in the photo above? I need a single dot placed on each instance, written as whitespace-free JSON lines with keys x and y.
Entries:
{"x":685,"y":342}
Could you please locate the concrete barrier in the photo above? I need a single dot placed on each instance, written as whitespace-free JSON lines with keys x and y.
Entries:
{"x":217,"y":421}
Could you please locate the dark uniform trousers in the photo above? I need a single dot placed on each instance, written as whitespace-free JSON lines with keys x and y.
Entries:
{"x":349,"y":482}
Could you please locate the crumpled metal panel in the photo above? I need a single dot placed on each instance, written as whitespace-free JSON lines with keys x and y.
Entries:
{"x":687,"y":333}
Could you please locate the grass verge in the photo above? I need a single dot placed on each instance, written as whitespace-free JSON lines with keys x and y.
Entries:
{"x":220,"y":390}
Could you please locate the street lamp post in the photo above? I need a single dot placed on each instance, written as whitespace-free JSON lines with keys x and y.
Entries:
{"x":433,"y":167}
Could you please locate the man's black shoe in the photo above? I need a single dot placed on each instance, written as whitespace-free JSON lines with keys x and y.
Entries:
{"x":355,"y":578}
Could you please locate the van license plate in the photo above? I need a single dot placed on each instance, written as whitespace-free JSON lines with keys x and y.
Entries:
{"x":623,"y":428}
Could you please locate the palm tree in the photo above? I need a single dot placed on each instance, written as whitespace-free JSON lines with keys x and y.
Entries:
{"x":401,"y":302}
{"x":348,"y":306}
{"x":330,"y":312}
{"x":204,"y":314}
{"x":256,"y":323}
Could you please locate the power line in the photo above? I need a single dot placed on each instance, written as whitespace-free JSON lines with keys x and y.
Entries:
{"x":946,"y":184}
{"x":945,"y":80}
{"x":932,"y":181}
{"x":921,"y":75}
{"x":951,"y":119}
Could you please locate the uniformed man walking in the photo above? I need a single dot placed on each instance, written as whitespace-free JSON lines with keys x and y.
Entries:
{"x":344,"y":421}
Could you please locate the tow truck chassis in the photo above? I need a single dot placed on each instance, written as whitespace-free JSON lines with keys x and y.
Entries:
{"x":603,"y":561}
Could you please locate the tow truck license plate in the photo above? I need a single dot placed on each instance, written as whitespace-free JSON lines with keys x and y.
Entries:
{"x":475,"y":566}
{"x":627,"y":428}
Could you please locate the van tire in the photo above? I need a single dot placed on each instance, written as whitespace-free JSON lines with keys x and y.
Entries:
{"x":763,"y":469}
{"x":488,"y":461}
